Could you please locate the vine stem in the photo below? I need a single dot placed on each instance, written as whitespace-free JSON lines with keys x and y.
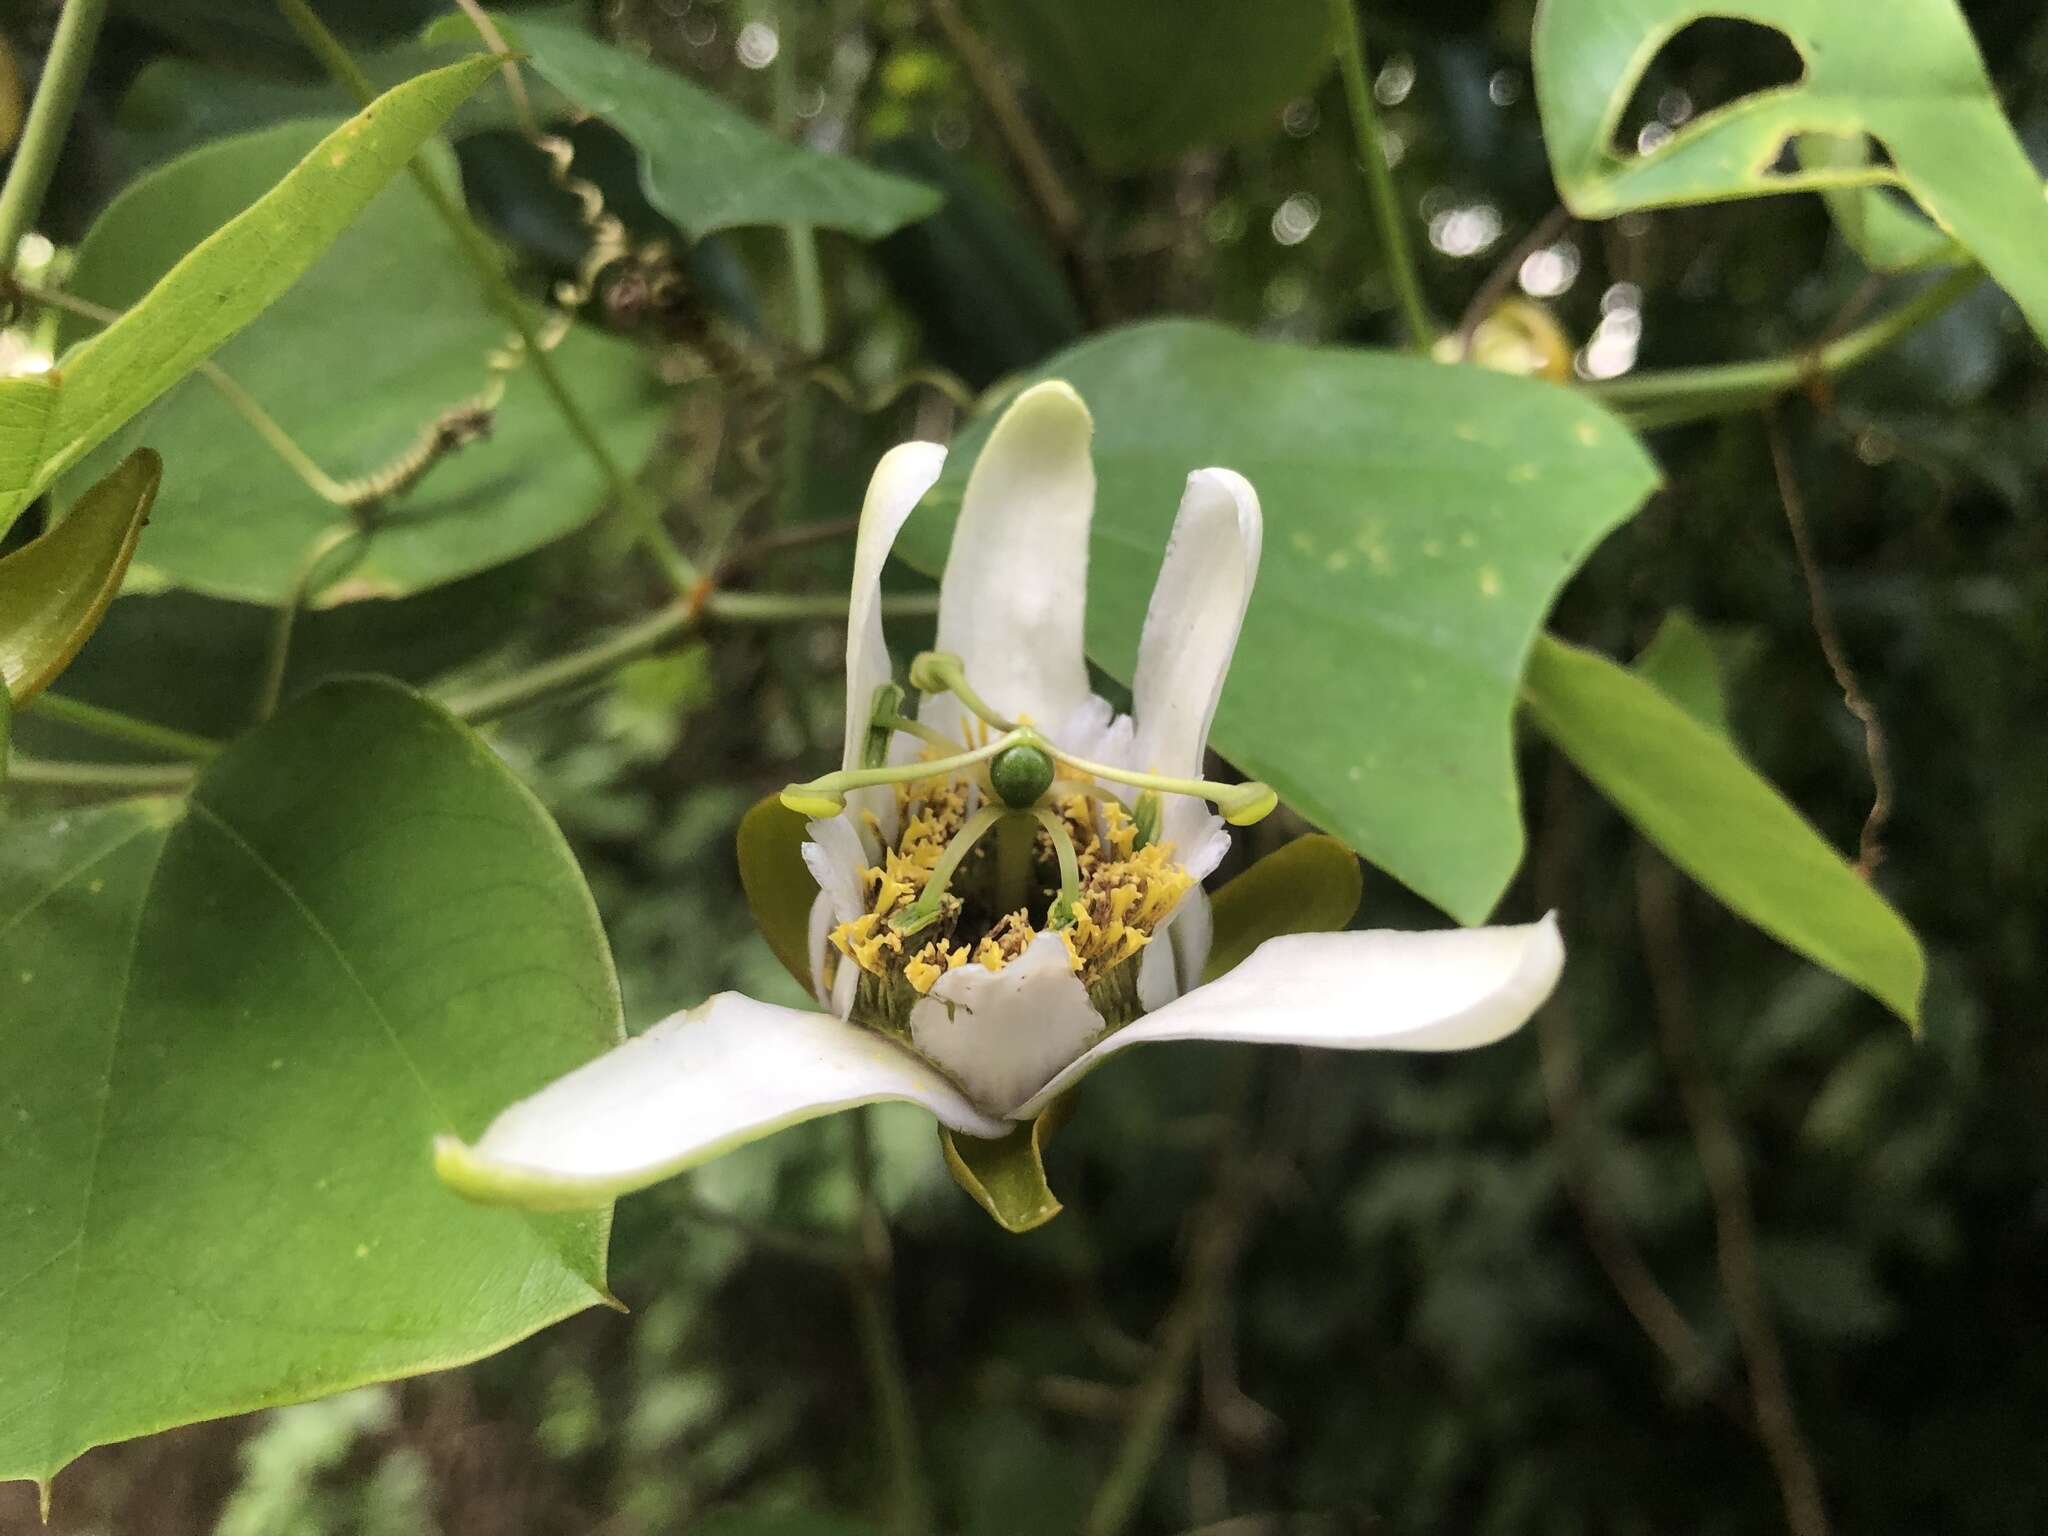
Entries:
{"x":645,"y":636}
{"x":116,"y":726}
{"x":117,"y":778}
{"x":1349,"y":37}
{"x":882,"y":1347}
{"x":676,"y":566}
{"x":1719,"y":1149}
{"x":49,"y":118}
{"x":1667,"y":397}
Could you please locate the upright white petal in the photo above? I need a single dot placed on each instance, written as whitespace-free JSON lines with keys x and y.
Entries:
{"x":1445,"y":990}
{"x":1016,"y":582}
{"x":1191,"y":627}
{"x":1001,"y":1034}
{"x":697,"y":1084}
{"x":900,"y":480}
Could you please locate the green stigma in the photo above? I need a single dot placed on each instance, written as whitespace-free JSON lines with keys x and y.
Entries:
{"x":1021,"y":775}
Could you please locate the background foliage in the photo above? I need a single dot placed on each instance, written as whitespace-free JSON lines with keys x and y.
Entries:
{"x":1554,"y":1286}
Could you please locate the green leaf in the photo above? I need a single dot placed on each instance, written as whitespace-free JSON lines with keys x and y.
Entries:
{"x":1888,"y":236}
{"x":1419,"y":521}
{"x":780,"y":887}
{"x":702,"y":163}
{"x":385,"y":332}
{"x":1681,"y":663}
{"x":55,"y":590}
{"x":1006,"y":1177}
{"x":229,"y":1032}
{"x":1142,"y":83}
{"x":1914,"y":83}
{"x":236,"y":273}
{"x":1689,"y":791}
{"x":1310,"y":885}
{"x":27,"y":404}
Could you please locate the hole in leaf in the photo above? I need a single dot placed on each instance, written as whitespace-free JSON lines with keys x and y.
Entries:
{"x":1706,"y":65}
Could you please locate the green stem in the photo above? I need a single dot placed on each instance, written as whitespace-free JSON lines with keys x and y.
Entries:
{"x":120,"y":778}
{"x":1349,"y":35}
{"x":245,"y":405}
{"x":645,"y":636}
{"x":641,"y":508}
{"x":284,"y":625}
{"x":1666,"y":397}
{"x":1016,"y":842}
{"x":910,"y":1511}
{"x":49,"y":118}
{"x":115,"y":726}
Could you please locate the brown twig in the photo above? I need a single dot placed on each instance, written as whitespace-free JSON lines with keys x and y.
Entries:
{"x":1547,"y":232}
{"x":1057,"y":206}
{"x":1735,"y":1245}
{"x":1870,"y":844}
{"x":1557,"y":1046}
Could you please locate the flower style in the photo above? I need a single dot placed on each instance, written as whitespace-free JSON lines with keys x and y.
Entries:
{"x":1009,"y":881}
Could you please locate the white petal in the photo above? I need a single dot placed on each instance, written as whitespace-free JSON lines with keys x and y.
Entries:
{"x":697,"y":1084}
{"x":1001,"y":1034}
{"x":836,"y":855}
{"x":1191,"y":930}
{"x":1445,"y":990}
{"x":1016,"y":582}
{"x":1191,"y":627}
{"x":818,"y":945}
{"x":900,"y":480}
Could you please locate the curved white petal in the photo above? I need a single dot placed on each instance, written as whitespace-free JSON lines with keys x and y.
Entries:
{"x":1001,"y":1034}
{"x":1445,"y":990}
{"x":836,"y":855}
{"x":818,"y":945}
{"x":1016,"y":583}
{"x":900,"y":480}
{"x":1191,"y":930}
{"x":1191,"y":627}
{"x":697,"y":1084}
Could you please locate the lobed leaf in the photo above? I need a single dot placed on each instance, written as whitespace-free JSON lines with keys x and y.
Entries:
{"x":1916,"y":85}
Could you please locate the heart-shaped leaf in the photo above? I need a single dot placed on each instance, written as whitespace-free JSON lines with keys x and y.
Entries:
{"x":226,"y":281}
{"x":55,"y":590}
{"x":386,"y":332}
{"x":230,"y":1029}
{"x":1915,"y":84}
{"x":702,"y":163}
{"x":1419,"y":521}
{"x":1689,"y":791}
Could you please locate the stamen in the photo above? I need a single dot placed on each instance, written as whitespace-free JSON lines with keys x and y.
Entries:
{"x":943,"y":672}
{"x":920,"y":730}
{"x":1238,"y":804}
{"x":826,"y":796}
{"x":924,"y":911}
{"x":1061,"y":913}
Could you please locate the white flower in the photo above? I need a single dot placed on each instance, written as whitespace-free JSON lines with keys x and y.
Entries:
{"x":935,"y":992}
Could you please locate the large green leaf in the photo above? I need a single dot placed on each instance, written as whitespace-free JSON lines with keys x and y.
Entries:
{"x":1913,"y":82}
{"x":1141,"y":83}
{"x":1419,"y":520}
{"x":1689,"y":791}
{"x":229,"y":1031}
{"x":386,"y":331}
{"x":703,"y":163}
{"x":55,"y":590}
{"x":228,"y":279}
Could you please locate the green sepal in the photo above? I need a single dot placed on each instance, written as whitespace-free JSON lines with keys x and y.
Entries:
{"x":55,"y":590}
{"x":1310,"y":885}
{"x":778,"y":883}
{"x":1007,"y":1177}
